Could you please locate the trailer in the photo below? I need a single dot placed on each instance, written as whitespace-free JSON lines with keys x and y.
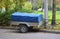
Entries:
{"x":25,"y":21}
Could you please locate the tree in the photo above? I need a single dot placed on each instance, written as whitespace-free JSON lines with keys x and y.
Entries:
{"x":0,"y":0}
{"x":5,"y":16}
{"x":19,"y":4}
{"x":40,"y":4}
{"x":54,"y":13}
{"x":34,"y":4}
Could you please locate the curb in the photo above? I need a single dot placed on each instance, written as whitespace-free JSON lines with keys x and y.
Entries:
{"x":7,"y":27}
{"x":51,"y":31}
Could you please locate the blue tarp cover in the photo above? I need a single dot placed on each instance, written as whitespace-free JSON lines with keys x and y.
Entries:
{"x":26,"y":17}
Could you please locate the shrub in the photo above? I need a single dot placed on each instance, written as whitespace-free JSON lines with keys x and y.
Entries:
{"x":5,"y":17}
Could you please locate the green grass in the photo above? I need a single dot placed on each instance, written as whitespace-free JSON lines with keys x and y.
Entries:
{"x":50,"y":15}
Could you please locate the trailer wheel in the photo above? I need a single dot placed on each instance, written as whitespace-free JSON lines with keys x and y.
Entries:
{"x":23,"y":29}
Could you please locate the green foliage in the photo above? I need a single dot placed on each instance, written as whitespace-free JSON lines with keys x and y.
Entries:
{"x":27,"y":7}
{"x":5,"y":17}
{"x":40,"y":4}
{"x":10,"y":7}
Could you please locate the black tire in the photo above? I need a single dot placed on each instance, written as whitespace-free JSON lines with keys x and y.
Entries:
{"x":23,"y":29}
{"x":30,"y":28}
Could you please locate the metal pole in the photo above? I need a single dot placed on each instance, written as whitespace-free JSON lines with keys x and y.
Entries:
{"x":45,"y":13}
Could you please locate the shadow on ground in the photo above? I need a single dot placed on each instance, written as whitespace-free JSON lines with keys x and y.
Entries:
{"x":40,"y":31}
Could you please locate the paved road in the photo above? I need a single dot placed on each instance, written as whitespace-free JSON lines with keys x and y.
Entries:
{"x":12,"y":34}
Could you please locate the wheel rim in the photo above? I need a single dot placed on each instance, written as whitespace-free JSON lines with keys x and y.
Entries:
{"x":23,"y":29}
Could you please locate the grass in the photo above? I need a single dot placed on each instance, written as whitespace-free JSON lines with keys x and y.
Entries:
{"x":50,"y":15}
{"x":57,"y":27}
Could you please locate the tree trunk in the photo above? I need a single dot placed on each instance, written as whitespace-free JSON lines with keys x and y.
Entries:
{"x":54,"y":13}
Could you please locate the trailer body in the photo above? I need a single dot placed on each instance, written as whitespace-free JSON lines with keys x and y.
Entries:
{"x":29,"y":19}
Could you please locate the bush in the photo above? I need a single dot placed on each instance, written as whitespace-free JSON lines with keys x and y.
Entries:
{"x":58,"y":9}
{"x":5,"y":17}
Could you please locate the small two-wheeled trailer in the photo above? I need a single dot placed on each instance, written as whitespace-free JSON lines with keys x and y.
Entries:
{"x":26,"y":21}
